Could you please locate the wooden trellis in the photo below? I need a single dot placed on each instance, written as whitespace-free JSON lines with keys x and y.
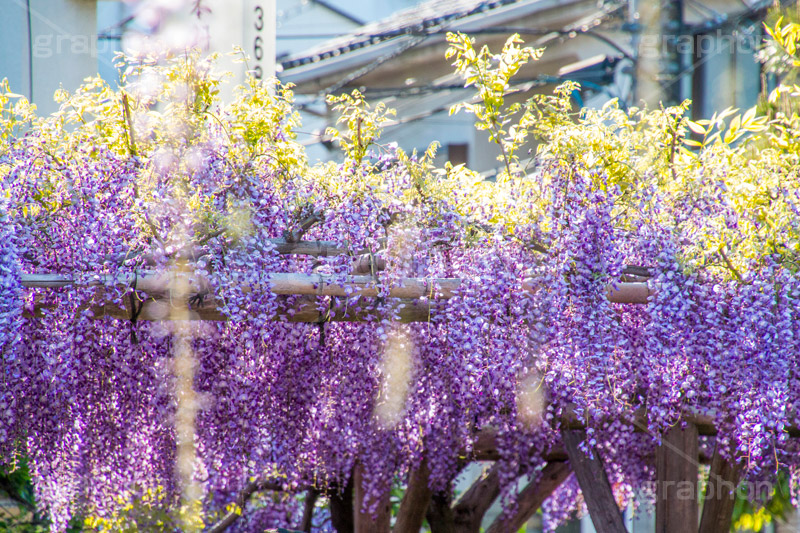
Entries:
{"x":417,"y":300}
{"x":413,"y":299}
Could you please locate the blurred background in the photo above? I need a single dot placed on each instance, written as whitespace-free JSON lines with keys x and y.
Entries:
{"x":393,"y":50}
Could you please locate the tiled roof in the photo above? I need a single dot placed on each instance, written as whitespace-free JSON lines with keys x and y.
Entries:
{"x":424,"y":17}
{"x":332,"y":8}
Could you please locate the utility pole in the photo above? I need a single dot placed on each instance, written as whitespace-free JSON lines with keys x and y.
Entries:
{"x":659,"y":29}
{"x":672,"y":31}
{"x":645,"y":33}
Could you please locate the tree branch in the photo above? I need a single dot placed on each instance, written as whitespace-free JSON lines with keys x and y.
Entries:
{"x":723,"y":479}
{"x":440,"y":514}
{"x":341,"y":505}
{"x":305,"y":225}
{"x":533,"y":496}
{"x":240,"y":502}
{"x":308,"y":510}
{"x":473,"y":504}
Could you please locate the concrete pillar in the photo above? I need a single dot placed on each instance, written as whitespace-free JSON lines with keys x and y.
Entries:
{"x":249,"y":24}
{"x":647,"y":44}
{"x":52,"y":43}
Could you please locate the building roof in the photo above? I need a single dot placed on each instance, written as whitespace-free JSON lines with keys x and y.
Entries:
{"x":374,"y":44}
{"x":418,"y":19}
{"x":332,"y":8}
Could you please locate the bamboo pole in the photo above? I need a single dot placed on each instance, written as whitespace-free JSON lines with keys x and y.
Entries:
{"x":405,"y":311}
{"x":157,"y":285}
{"x":282,"y":246}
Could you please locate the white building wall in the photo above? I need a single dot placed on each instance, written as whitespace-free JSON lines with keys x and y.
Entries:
{"x":54,"y":43}
{"x":305,"y":17}
{"x":55,"y":46}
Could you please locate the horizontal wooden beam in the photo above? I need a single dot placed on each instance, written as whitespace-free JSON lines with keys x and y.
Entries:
{"x":158,"y":284}
{"x":485,"y":445}
{"x":405,"y":311}
{"x":314,"y":248}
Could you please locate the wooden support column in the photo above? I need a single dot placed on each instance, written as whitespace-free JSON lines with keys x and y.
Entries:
{"x":440,"y":514}
{"x":676,"y":480}
{"x":474,"y":503}
{"x":723,"y":478}
{"x":533,"y":496}
{"x":594,"y":484}
{"x":308,"y":510}
{"x":364,"y":521}
{"x":341,"y":504}
{"x":415,"y":501}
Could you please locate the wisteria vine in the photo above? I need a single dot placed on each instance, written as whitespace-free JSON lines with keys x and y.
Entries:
{"x":529,"y":338}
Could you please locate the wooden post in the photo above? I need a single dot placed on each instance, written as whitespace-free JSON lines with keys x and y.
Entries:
{"x":676,"y":481}
{"x":440,"y":514}
{"x":308,"y":510}
{"x":532,"y":497}
{"x":363,"y":520}
{"x":415,"y":501}
{"x":720,"y":494}
{"x":341,"y":504}
{"x":594,"y":484}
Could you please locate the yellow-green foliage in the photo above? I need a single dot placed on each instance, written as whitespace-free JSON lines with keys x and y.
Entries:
{"x":491,"y":74}
{"x":165,"y":109}
{"x":15,"y":114}
{"x":149,"y":511}
{"x":735,"y":159}
{"x":363,"y":124}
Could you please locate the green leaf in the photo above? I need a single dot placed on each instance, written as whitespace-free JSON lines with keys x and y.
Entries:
{"x":695,"y":127}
